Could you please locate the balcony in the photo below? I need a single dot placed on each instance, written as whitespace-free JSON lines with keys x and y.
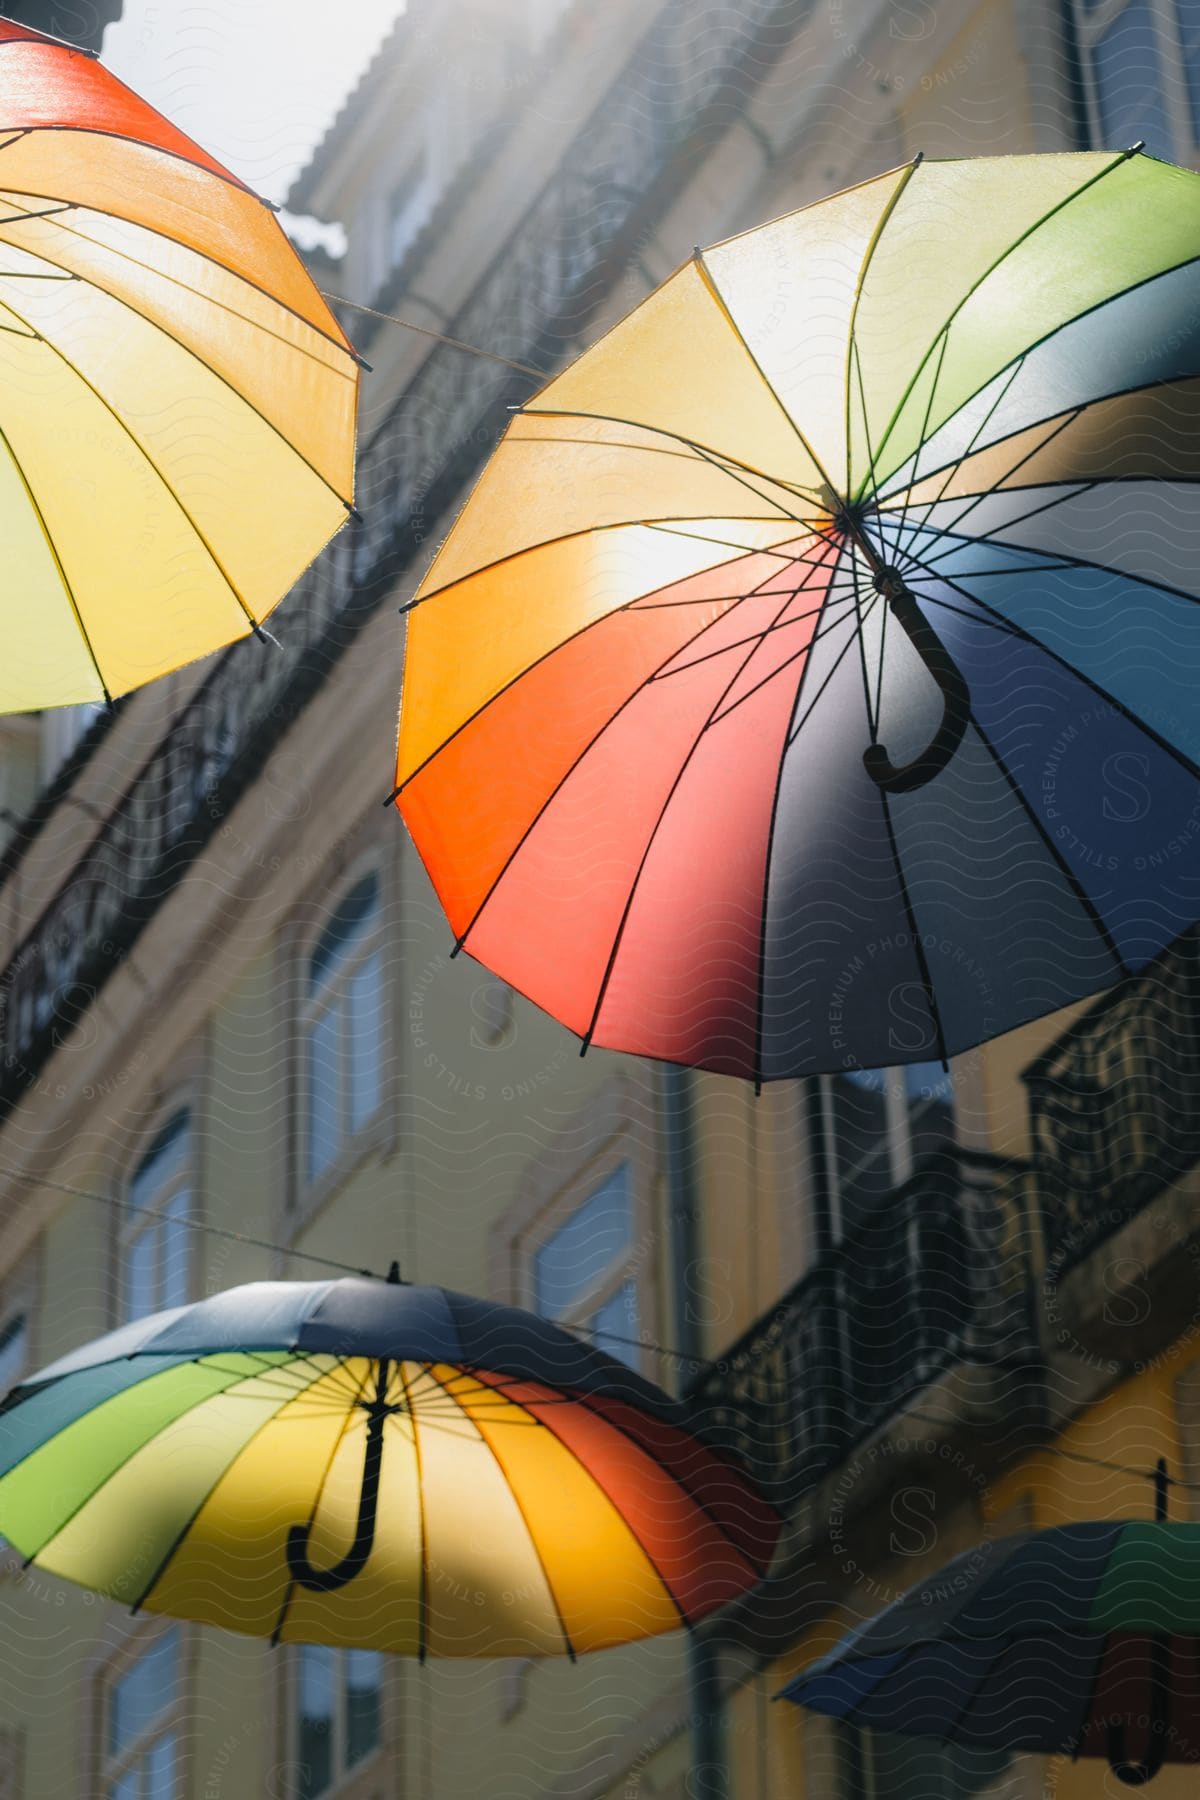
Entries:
{"x":1115,"y":1106}
{"x":621,"y":169}
{"x":939,"y":1274}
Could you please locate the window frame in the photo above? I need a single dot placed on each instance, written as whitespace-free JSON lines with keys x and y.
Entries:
{"x":897,"y":1145}
{"x":359,"y":1781}
{"x":1091,"y":23}
{"x":110,"y":1669}
{"x":130,"y":1223}
{"x":613,"y":1129}
{"x":363,"y":853}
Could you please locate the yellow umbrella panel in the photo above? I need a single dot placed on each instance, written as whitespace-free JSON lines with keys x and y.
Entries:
{"x":177,"y":402}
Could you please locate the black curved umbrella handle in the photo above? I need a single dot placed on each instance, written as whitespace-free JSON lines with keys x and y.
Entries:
{"x":324,"y":1581}
{"x":1137,"y":1774}
{"x":902,"y":778}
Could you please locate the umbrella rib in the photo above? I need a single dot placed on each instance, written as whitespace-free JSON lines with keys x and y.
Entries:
{"x":718,"y":298}
{"x":1070,"y":491}
{"x":937,"y":375}
{"x":1015,"y":245}
{"x":760,"y":995}
{"x":915,"y":933}
{"x":709,"y":452}
{"x":1052,"y":561}
{"x":728,"y":1463}
{"x":187,"y":288}
{"x":860,"y":618}
{"x":683,"y":767}
{"x":423,"y":1598}
{"x":587,"y":748}
{"x":209,"y":166}
{"x":975,"y":500}
{"x":952,"y":467}
{"x":338,"y":343}
{"x":1081,"y":895}
{"x":289,"y":1593}
{"x":1065,"y":325}
{"x":852,"y":353}
{"x":1019,"y":631}
{"x":195,"y":356}
{"x":507,"y":1480}
{"x":149,"y":460}
{"x":796,"y":729}
{"x":760,"y":637}
{"x":584,"y":531}
{"x":68,"y":590}
{"x":1080,"y":892}
{"x":166,"y":1560}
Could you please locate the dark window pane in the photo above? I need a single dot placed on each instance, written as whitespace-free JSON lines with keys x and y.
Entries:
{"x":162,"y":1769}
{"x":879,"y":1766}
{"x":314,"y":1745}
{"x":366,"y":1039}
{"x":929,"y":1090}
{"x":162,"y":1163}
{"x":862,"y":1158}
{"x":141,"y":1275}
{"x":14,"y":1347}
{"x":1189,"y":33}
{"x":143,"y":1692}
{"x":324,"y":1125}
{"x":616,"y":1322}
{"x":350,"y":923}
{"x":364,"y":1704}
{"x":1129,"y":93}
{"x":590,"y":1241}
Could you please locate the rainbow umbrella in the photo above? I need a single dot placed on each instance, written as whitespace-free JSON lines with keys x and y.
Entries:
{"x":177,"y":402}
{"x":373,"y":1465}
{"x":810,"y":680}
{"x":1082,"y":1640}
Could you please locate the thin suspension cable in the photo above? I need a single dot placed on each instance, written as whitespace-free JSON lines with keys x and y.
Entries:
{"x":438,"y":336}
{"x":150,"y":1212}
{"x":1078,"y":1456}
{"x":328,"y":1262}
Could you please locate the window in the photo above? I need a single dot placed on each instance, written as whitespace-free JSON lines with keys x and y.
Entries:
{"x":155,"y":1234}
{"x":338,"y":1716}
{"x":141,"y":1725}
{"x":14,"y":1351}
{"x":408,"y":207}
{"x":63,"y":727}
{"x":1142,"y":62}
{"x":879,"y":1766}
{"x":879,"y":1124}
{"x":584,"y":1272}
{"x":1130,"y":103}
{"x":343,"y":1028}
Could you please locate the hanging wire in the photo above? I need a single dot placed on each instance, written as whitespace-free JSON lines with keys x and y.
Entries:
{"x":327,"y":1262}
{"x":438,"y":336}
{"x":151,"y":1212}
{"x":1079,"y":1456}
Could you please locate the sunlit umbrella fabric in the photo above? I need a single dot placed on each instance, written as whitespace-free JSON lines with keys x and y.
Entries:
{"x":810,"y":680}
{"x":384,"y":1467}
{"x":1046,"y":1641}
{"x":177,"y":402}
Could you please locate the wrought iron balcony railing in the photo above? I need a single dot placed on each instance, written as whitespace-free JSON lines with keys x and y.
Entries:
{"x":692,"y":73}
{"x":1115,"y":1105}
{"x":938,"y":1274}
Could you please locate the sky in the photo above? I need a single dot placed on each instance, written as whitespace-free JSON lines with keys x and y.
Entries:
{"x":255,"y":82}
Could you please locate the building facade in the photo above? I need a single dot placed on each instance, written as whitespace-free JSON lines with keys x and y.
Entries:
{"x":233,"y":1038}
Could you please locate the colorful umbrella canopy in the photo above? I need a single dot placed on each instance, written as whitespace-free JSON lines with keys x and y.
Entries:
{"x":177,"y":402}
{"x":810,"y":680}
{"x":1083,"y":1639}
{"x":377,"y":1466}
